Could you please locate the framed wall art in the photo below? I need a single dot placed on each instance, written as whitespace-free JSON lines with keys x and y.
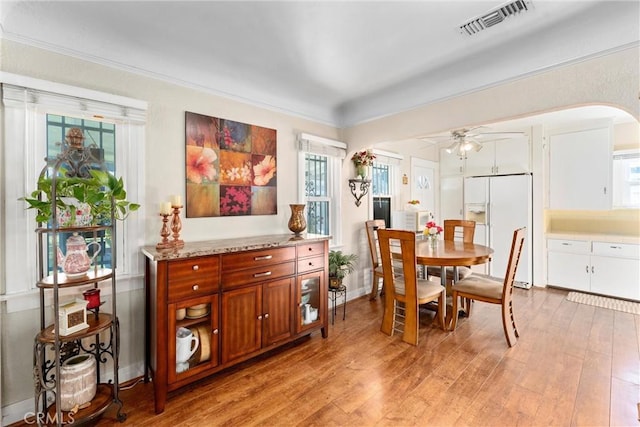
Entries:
{"x":230,"y":168}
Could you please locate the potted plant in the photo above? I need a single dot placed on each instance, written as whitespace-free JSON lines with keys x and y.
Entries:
{"x":81,"y":201}
{"x":339,"y":266}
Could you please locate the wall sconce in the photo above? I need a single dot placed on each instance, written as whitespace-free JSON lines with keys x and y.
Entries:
{"x":359,"y":191}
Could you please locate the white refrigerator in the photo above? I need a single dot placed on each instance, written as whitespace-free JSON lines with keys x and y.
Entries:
{"x":499,"y":205}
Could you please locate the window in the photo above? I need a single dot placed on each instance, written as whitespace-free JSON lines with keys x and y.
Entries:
{"x":384,"y":184}
{"x":381,"y":192}
{"x":320,"y":171}
{"x":36,"y":116}
{"x":626,"y":179}
{"x":318,"y":201}
{"x":98,"y":134}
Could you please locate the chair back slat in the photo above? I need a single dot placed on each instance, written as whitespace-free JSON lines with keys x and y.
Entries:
{"x":459,"y":230}
{"x":398,"y":256}
{"x":372,"y":226}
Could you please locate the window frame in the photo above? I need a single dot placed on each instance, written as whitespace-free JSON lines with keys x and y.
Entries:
{"x":335,"y":152}
{"x":26,"y":103}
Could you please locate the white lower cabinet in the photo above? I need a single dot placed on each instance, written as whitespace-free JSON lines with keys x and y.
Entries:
{"x":603,"y":268}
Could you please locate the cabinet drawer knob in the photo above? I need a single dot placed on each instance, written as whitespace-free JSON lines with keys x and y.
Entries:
{"x":195,"y":267}
{"x":260,"y":317}
{"x":195,"y":287}
{"x":214,"y":332}
{"x":266,"y":315}
{"x":310,"y":263}
{"x":266,"y":273}
{"x":263,"y":257}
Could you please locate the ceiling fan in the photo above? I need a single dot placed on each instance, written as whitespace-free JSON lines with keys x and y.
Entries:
{"x":465,"y":140}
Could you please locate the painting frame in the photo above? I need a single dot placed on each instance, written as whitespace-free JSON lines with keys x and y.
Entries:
{"x":230,"y":168}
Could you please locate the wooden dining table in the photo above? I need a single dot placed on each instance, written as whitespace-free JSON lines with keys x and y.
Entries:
{"x":450,"y":254}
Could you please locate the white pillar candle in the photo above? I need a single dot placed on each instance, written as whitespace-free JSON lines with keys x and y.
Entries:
{"x":165,"y":208}
{"x":176,"y":201}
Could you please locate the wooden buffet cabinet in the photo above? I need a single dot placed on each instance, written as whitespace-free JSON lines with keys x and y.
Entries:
{"x":239,"y":297}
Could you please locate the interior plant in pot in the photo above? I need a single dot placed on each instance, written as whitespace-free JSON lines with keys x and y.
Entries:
{"x":340,"y":265}
{"x":90,"y":197}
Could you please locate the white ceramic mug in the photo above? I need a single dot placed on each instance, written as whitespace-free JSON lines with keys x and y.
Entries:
{"x":184,"y":347}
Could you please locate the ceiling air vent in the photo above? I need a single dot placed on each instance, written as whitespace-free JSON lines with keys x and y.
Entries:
{"x":494,"y":16}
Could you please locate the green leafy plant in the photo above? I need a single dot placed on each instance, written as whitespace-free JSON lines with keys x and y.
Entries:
{"x":97,"y":191}
{"x":341,"y":264}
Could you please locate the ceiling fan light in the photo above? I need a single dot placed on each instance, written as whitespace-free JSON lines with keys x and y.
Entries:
{"x":453,"y":148}
{"x":475,"y":146}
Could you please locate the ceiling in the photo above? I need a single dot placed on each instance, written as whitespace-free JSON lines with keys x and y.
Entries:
{"x":336,"y":62}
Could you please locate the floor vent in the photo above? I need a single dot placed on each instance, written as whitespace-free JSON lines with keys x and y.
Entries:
{"x":494,"y":16}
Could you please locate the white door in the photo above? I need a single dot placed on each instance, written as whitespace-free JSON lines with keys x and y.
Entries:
{"x":510,"y":206}
{"x":423,"y":184}
{"x":451,"y":197}
{"x":476,"y":190}
{"x":579,"y":165}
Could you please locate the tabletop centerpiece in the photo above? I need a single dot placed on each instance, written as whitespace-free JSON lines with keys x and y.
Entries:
{"x":431,"y":232}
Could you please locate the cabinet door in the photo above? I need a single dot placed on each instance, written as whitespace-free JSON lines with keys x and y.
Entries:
{"x":241,"y":322}
{"x":200,"y":317}
{"x":311,"y":299}
{"x":481,"y":162}
{"x":451,"y":197}
{"x":568,"y":270}
{"x":618,"y":277}
{"x":579,"y":165}
{"x":277,"y":299}
{"x":450,"y":164}
{"x":512,"y":156}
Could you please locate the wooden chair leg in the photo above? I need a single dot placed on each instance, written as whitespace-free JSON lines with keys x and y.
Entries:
{"x":442,"y":311}
{"x":454,"y":311}
{"x":411,"y":324}
{"x":388,"y":316}
{"x":467,"y":304}
{"x":510,"y":332}
{"x":374,"y":288}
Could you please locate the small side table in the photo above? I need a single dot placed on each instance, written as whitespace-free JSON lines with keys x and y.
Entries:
{"x":334,"y":294}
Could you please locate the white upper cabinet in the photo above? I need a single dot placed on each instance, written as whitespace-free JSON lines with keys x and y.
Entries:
{"x":500,"y":157}
{"x":450,"y":164}
{"x":579,"y":170}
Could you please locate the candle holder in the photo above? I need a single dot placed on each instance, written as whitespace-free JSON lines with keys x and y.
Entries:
{"x":176,"y":226}
{"x":165,"y":233}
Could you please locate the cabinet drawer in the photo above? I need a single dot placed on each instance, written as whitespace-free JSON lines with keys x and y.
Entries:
{"x":310,"y":264}
{"x":193,"y":277}
{"x":237,"y":278}
{"x":266,"y":257}
{"x":573,"y":246}
{"x":620,"y":250}
{"x":311,"y":249}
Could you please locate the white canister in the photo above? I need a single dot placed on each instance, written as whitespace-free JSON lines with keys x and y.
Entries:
{"x":78,"y":381}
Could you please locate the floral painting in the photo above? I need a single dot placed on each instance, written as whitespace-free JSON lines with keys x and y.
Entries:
{"x":230,"y":168}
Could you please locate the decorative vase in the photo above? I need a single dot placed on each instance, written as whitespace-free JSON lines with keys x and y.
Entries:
{"x":297,"y":222}
{"x":433,"y":240}
{"x":361,"y":171}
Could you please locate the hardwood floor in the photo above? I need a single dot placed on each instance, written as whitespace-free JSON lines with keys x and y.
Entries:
{"x":574,"y":364}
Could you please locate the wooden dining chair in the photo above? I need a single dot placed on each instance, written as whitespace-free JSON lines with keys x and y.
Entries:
{"x":481,"y":288}
{"x":372,"y":226}
{"x":456,"y":230}
{"x":402,"y":286}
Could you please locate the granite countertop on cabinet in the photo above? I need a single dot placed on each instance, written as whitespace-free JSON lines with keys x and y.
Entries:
{"x":223,"y":246}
